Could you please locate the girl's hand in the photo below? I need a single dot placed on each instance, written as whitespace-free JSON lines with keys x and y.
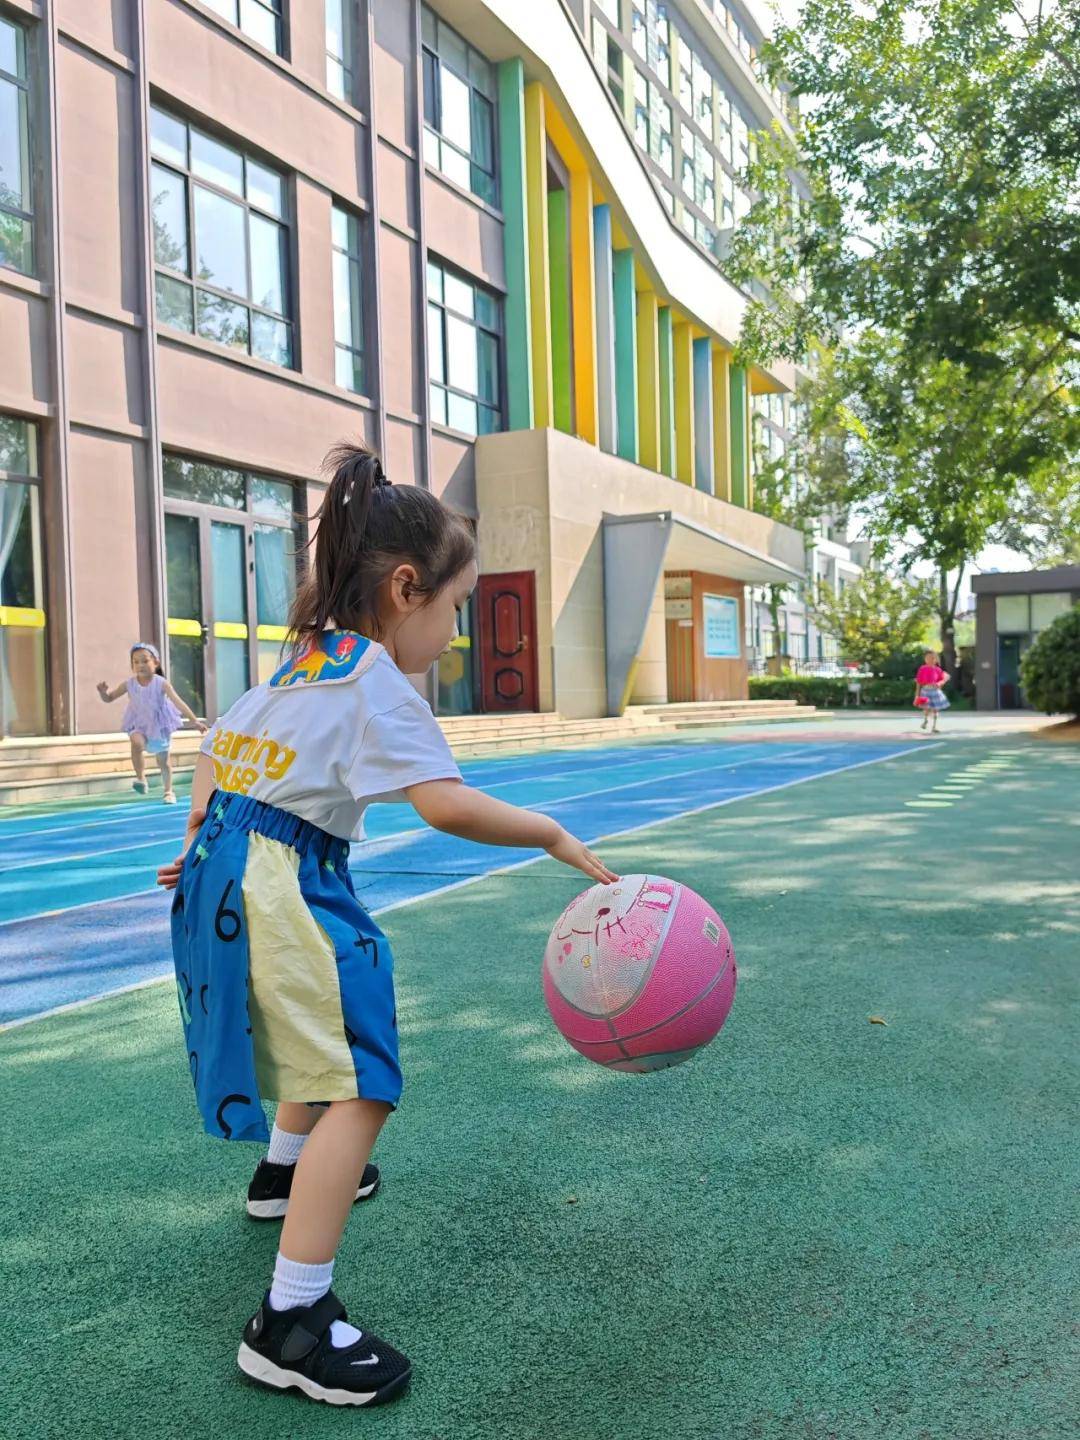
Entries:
{"x":575,"y":853}
{"x":169,"y":875}
{"x":201,"y":726}
{"x":103,"y":689}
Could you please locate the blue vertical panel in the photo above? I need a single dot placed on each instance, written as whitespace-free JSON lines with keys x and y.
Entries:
{"x":626,"y":354}
{"x":605,"y":328}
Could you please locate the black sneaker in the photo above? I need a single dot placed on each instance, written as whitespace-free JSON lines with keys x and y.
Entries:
{"x":292,"y":1350}
{"x":271,"y":1185}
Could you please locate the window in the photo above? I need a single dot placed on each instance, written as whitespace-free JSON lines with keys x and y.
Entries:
{"x":23,"y":709}
{"x":610,"y":8}
{"x":459,"y":109}
{"x":652,"y":122}
{"x":651,"y":37}
{"x":261,"y":19}
{"x":339,"y":48}
{"x":464,"y":352}
{"x":16,"y":213}
{"x":698,"y":175}
{"x":455,"y":668}
{"x":220,"y":241}
{"x":1046,"y":608}
{"x":348,"y":306}
{"x":702,"y":85}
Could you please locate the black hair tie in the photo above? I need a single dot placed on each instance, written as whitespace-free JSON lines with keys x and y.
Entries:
{"x":380,"y":477}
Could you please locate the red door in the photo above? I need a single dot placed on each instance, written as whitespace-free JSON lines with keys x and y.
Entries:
{"x":506,"y":631}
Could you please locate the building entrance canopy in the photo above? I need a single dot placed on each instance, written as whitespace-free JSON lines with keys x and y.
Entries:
{"x":637,"y":551}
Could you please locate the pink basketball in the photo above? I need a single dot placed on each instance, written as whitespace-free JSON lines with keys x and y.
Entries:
{"x":640,"y":974}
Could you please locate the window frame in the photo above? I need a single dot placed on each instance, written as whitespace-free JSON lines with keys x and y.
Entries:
{"x":445,"y":385}
{"x":274,"y":8}
{"x":355,"y":264}
{"x":433,"y":131}
{"x":346,"y":62}
{"x":23,"y":85}
{"x":285,"y":222}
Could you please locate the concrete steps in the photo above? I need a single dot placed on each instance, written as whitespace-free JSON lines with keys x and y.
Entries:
{"x":62,"y":767}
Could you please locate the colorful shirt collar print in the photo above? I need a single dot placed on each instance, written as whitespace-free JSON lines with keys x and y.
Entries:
{"x":338,"y":655}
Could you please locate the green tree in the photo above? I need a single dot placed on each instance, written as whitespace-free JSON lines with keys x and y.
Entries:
{"x":939,"y":158}
{"x":875,"y":617}
{"x":1050,"y":671}
{"x":933,"y":461}
{"x":936,"y":247}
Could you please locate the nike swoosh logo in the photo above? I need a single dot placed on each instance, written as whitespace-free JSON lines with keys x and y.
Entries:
{"x":371,"y":1360}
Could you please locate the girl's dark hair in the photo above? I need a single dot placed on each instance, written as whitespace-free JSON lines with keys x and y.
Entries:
{"x":367,"y":528}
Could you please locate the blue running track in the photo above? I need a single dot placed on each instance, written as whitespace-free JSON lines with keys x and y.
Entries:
{"x":80,"y":916}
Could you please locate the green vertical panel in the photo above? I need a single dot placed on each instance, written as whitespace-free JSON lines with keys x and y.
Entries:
{"x":740,"y":449}
{"x":515,"y":245}
{"x":559,"y":271}
{"x":667,"y":395}
{"x":626,"y":354}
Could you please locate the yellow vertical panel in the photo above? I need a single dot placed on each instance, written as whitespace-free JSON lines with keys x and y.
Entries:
{"x":648,"y":375}
{"x":539,"y":285}
{"x":582,"y":279}
{"x":721,"y":422}
{"x":683,"y":346}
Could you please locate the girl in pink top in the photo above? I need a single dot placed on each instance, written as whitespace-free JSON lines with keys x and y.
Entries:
{"x":929,"y":696}
{"x":154,"y":711}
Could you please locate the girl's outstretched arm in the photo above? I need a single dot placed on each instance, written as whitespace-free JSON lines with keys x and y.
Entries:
{"x":110,"y":695}
{"x":459,"y":810}
{"x":202,"y":787}
{"x":184,"y":708}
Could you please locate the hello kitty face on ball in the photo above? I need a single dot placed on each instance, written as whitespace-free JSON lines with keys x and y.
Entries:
{"x":636,"y":904}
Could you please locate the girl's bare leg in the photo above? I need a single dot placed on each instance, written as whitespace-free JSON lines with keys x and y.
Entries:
{"x":165,"y":766}
{"x":296,"y":1119}
{"x":138,"y":756}
{"x":327,"y":1175}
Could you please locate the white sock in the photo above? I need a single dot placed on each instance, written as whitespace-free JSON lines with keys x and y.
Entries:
{"x":296,"y":1284}
{"x":284,"y":1148}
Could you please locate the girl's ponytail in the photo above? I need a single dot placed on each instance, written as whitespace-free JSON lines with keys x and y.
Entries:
{"x":366,"y":528}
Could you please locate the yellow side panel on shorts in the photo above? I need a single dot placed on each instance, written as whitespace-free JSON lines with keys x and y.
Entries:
{"x":294,"y":999}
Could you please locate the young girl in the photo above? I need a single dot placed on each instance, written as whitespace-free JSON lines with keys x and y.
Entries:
{"x":929,"y":696}
{"x":153,"y":713}
{"x":285,"y":982}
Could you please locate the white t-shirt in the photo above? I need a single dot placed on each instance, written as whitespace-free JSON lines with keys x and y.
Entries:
{"x":336,"y":729}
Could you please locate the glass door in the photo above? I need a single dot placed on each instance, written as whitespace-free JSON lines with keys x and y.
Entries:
{"x":187,"y":630}
{"x":222,"y":575}
{"x":229,"y":639}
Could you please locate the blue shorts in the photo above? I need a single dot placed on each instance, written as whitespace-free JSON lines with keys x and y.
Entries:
{"x":285,"y":983}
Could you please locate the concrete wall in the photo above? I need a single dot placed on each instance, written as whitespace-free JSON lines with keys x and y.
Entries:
{"x":543,"y":496}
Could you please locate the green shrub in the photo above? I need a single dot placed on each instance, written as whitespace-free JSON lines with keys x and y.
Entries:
{"x":902,"y":664}
{"x":830,"y":691}
{"x":1050,"y":671}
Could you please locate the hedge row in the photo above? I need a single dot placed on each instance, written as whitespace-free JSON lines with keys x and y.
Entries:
{"x":830,"y":691}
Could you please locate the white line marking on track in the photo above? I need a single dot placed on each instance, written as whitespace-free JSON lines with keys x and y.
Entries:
{"x":506,"y":869}
{"x":387,"y":842}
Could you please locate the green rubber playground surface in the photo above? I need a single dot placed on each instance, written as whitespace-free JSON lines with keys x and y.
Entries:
{"x":822,"y":1227}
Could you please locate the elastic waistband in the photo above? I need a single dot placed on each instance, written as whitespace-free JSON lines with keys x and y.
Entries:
{"x":240,"y":812}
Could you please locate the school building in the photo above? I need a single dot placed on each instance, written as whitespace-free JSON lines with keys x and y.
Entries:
{"x":481,"y":234}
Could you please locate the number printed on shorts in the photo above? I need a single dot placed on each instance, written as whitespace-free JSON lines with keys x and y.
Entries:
{"x":226,"y":921}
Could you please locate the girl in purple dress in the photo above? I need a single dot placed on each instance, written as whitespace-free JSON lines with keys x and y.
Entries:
{"x":154,"y":711}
